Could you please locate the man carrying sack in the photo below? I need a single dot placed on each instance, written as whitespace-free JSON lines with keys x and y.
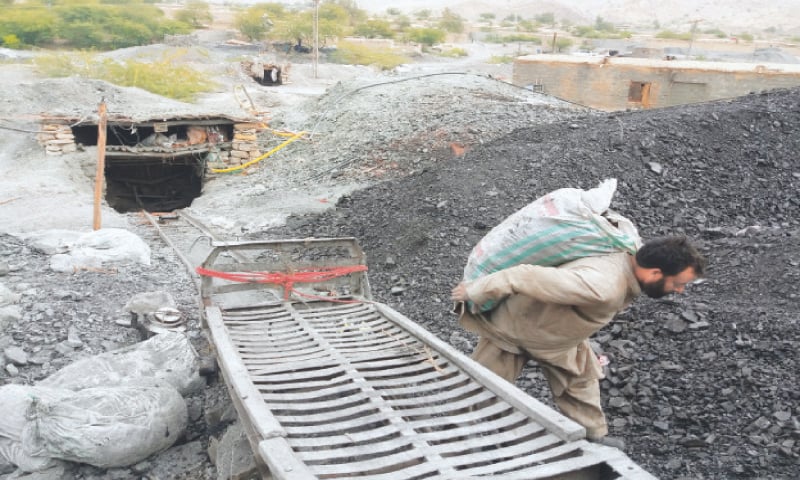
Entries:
{"x":548,"y":313}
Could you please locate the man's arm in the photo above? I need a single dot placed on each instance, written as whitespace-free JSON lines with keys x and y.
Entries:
{"x":581,"y":286}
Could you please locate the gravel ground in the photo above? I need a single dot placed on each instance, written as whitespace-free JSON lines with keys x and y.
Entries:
{"x":419,"y":165}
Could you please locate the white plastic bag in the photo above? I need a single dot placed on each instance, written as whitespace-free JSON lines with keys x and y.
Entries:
{"x":104,"y":427}
{"x":168,"y":357}
{"x":559,"y":227}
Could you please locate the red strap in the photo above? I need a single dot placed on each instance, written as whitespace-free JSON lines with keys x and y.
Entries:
{"x":286,"y":280}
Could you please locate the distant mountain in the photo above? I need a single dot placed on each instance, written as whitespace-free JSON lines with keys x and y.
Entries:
{"x":730,"y":16}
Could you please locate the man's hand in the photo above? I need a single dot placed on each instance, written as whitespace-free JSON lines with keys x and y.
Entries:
{"x":459,"y":293}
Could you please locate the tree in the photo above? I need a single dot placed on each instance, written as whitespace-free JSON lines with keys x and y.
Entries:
{"x":375,"y":29}
{"x":422,"y":14}
{"x":451,"y":21}
{"x":402,"y":22}
{"x":562,"y":44}
{"x":255,"y":22}
{"x":196,"y":13}
{"x":604,"y":26}
{"x":354,"y":14}
{"x":546,"y":18}
{"x":487,"y":17}
{"x":426,"y":36}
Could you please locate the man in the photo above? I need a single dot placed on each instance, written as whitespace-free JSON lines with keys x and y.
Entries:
{"x":549,"y":313}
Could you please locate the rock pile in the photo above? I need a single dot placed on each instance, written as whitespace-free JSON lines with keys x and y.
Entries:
{"x":701,"y":385}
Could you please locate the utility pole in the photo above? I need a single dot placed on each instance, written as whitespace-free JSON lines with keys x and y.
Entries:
{"x":316,"y":37}
{"x":691,"y":37}
{"x":100,"y":173}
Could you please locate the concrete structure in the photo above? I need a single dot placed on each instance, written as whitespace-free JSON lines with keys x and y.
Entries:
{"x":619,"y":83}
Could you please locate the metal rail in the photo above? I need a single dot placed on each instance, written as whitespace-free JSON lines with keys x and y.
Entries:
{"x":329,"y":384}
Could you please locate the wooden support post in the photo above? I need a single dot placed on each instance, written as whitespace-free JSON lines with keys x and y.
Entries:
{"x":101,"y":164}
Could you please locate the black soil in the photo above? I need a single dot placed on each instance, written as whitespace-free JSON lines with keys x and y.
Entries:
{"x":702,"y":385}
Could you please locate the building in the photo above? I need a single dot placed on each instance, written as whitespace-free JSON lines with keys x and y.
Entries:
{"x":619,"y":83}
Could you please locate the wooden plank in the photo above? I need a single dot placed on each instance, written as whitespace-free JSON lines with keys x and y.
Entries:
{"x":437,"y":398}
{"x":485,"y":445}
{"x":282,"y":462}
{"x":408,"y":372}
{"x":366,"y":422}
{"x":354,"y":452}
{"x":444,"y":409}
{"x":450,"y":381}
{"x":299,"y":376}
{"x":237,"y":378}
{"x":569,"y":467}
{"x":329,"y":417}
{"x":269,"y":365}
{"x":467,"y":425}
{"x":385,"y":463}
{"x":338,"y":440}
{"x":419,"y":380}
{"x":333,"y":390}
{"x":527,"y":463}
{"x":562,"y":426}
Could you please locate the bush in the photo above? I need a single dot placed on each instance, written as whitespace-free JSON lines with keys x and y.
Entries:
{"x":355,"y":54}
{"x":501,"y":59}
{"x":87,"y":26}
{"x":673,"y":35}
{"x":163,"y":77}
{"x":11,"y":41}
{"x":453,"y":53}
{"x":516,"y":38}
{"x":426,"y":36}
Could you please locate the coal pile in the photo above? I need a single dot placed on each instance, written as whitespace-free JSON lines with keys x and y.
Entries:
{"x":702,"y":385}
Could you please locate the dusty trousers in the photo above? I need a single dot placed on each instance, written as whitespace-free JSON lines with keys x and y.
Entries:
{"x":577,"y":397}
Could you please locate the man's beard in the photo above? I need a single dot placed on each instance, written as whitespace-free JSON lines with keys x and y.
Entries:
{"x":654,"y":289}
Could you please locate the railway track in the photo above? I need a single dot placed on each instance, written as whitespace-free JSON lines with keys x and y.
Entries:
{"x":332,"y":385}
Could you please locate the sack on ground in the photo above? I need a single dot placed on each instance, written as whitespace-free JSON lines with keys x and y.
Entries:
{"x":561,"y":226}
{"x":105,"y":427}
{"x":166,"y":357}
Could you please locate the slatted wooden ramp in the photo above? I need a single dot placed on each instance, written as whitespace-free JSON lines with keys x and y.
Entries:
{"x":351,"y":389}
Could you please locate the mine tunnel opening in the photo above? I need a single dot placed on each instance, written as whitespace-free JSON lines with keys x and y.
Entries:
{"x":157,"y":166}
{"x":155,"y":185}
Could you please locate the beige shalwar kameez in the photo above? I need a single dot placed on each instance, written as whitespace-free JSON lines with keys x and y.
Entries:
{"x":548,"y":314}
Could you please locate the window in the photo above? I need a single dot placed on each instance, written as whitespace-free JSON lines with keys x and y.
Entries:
{"x":639,"y":92}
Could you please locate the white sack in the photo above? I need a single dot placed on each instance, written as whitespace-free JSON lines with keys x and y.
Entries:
{"x":559,"y":227}
{"x":167,"y":357}
{"x":104,"y":427}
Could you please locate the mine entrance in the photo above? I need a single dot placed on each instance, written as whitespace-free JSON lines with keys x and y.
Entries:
{"x":157,"y":166}
{"x":156,"y":184}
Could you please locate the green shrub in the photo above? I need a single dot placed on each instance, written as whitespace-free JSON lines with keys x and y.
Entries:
{"x":501,"y":59}
{"x":426,"y":36}
{"x":86,"y":25}
{"x":163,"y":77}
{"x":356,"y":54}
{"x":668,"y":34}
{"x":11,"y":41}
{"x":453,"y":53}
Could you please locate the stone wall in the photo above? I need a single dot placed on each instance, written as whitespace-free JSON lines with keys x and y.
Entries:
{"x":56,"y":139}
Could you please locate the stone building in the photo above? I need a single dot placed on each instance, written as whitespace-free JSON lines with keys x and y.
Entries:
{"x":619,"y":83}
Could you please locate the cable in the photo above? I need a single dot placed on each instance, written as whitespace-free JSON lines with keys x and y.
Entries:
{"x":294,"y":137}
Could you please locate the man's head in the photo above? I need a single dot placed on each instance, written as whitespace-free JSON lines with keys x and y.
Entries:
{"x":666,"y":265}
